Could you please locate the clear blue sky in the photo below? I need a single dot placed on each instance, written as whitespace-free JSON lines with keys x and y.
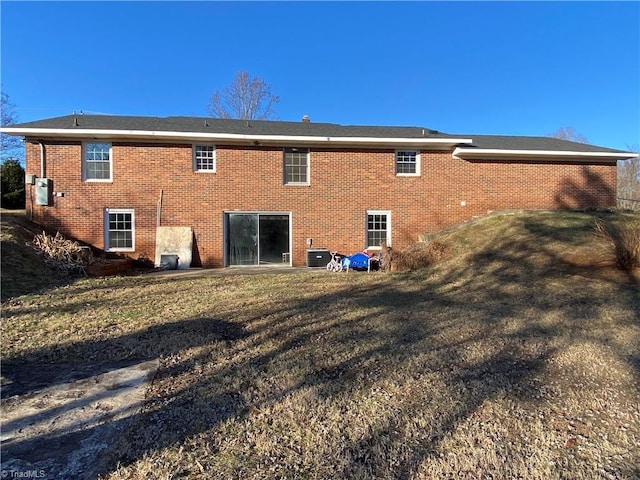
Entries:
{"x":480,"y":67}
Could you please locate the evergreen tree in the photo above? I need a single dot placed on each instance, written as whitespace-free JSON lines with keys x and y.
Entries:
{"x":12,"y":184}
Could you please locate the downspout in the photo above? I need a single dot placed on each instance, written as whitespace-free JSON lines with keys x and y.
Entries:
{"x":31,"y":203}
{"x":42,"y":175}
{"x":159,"y":210}
{"x":42,"y":172}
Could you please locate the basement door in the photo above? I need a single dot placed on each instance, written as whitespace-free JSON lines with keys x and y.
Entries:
{"x":257,"y":238}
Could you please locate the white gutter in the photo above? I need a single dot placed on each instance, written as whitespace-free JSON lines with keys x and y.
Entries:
{"x":500,"y":154}
{"x":228,"y":137}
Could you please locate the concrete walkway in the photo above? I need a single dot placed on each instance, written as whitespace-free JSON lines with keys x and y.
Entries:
{"x":206,"y":272}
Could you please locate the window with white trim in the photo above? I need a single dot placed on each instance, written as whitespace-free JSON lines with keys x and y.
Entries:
{"x":96,"y":162}
{"x":119,"y":230}
{"x":407,"y":163}
{"x":204,"y":158}
{"x":378,"y":228}
{"x":296,"y":166}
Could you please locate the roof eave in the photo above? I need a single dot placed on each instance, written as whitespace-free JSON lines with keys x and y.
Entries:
{"x":231,"y":138}
{"x":539,"y":155}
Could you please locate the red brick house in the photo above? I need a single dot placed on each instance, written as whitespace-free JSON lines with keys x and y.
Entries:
{"x":263,"y":192}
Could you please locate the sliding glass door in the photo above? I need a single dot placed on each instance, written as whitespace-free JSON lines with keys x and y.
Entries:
{"x":242,"y":239}
{"x":256,"y":238}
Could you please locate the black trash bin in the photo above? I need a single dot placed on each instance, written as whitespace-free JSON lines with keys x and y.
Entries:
{"x":169,"y":262}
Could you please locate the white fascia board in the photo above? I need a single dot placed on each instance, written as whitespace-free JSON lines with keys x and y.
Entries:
{"x":498,"y":154}
{"x":228,"y":137}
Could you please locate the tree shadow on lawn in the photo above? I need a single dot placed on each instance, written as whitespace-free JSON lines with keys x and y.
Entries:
{"x":64,"y":441}
{"x":449,"y":342}
{"x":370,"y":335}
{"x":166,"y":339}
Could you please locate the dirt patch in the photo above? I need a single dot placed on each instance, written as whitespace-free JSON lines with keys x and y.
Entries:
{"x":58,"y":421}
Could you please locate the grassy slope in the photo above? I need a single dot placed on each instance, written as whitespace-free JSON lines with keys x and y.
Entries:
{"x":22,"y":269}
{"x":517,"y":358}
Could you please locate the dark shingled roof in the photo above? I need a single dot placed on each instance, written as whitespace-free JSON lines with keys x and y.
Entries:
{"x":261,"y":127}
{"x":506,"y":142}
{"x":217,"y":125}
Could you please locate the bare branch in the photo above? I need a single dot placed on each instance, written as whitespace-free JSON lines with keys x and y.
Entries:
{"x":570,"y":134}
{"x":629,"y":181}
{"x":246,"y":98}
{"x":10,"y":146}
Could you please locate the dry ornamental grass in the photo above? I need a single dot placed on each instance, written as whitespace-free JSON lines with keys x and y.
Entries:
{"x":623,"y":241}
{"x":62,"y":254}
{"x":503,"y":361}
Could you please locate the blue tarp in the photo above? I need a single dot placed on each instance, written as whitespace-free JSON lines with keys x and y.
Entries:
{"x":357,"y":260}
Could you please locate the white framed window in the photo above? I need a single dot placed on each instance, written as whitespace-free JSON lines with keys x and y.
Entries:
{"x":378,"y":228}
{"x":97,"y":164}
{"x":204,"y":158}
{"x":119,"y":230}
{"x":296,"y":166}
{"x":407,"y":163}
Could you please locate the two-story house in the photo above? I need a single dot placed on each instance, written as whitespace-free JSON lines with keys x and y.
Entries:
{"x":265,"y":192}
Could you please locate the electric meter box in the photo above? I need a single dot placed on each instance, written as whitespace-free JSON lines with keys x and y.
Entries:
{"x":43,"y":191}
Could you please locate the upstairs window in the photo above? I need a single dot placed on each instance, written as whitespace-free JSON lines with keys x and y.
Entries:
{"x":296,"y":166}
{"x":96,"y":162}
{"x":407,"y":163}
{"x":119,"y":230}
{"x":204,"y":158}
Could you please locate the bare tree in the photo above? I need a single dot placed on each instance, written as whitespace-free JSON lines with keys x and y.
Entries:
{"x":629,"y":181}
{"x":10,"y":146}
{"x":247,"y":98}
{"x":569,"y":133}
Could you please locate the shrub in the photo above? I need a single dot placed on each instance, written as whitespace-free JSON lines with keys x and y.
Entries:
{"x":623,"y":242}
{"x":63,"y":254}
{"x":414,"y":257}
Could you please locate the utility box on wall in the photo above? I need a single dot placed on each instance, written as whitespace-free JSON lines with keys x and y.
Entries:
{"x":43,"y":191}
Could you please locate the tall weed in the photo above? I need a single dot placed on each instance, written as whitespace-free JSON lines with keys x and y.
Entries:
{"x":622,"y":241}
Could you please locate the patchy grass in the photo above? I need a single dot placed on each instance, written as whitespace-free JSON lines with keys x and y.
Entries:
{"x":516,"y":358}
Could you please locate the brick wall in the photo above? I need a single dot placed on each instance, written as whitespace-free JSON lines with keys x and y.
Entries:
{"x":331,"y":210}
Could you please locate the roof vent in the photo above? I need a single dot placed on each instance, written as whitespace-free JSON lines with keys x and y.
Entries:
{"x":305,"y":119}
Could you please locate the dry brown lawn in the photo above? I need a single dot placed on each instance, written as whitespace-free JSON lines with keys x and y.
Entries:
{"x":518,"y":358}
